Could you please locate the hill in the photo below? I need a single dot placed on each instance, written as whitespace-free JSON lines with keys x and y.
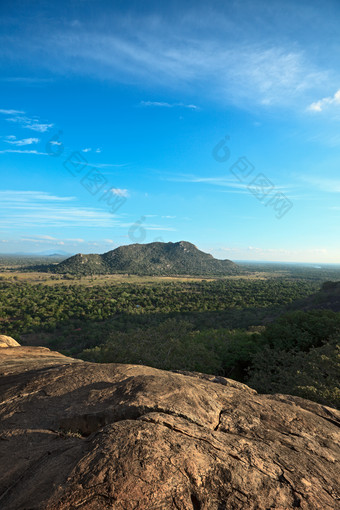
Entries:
{"x":113,"y":436}
{"x":153,"y":259}
{"x":327,"y":298}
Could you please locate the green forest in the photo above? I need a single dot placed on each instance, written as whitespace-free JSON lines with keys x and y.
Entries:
{"x":251,"y":330}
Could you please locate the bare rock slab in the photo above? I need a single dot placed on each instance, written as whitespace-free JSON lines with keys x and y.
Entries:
{"x":8,"y":341}
{"x":76,"y":435}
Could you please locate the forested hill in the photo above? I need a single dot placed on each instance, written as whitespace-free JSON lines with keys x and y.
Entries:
{"x":163,"y":259}
{"x":327,"y":298}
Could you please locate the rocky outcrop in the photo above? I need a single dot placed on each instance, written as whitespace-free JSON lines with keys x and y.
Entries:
{"x":78,"y":435}
{"x":153,"y":259}
{"x":7,"y":341}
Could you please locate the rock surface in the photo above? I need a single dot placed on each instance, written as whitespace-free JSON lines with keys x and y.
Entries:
{"x":78,"y":435}
{"x":8,"y":341}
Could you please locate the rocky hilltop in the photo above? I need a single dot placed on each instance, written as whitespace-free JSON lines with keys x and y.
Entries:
{"x":164,"y":259}
{"x":125,"y":437}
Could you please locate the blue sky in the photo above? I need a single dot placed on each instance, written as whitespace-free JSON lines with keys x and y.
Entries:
{"x":212,"y":122}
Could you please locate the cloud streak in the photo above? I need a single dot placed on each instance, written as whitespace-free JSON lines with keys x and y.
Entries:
{"x":11,"y":112}
{"x":14,"y":196}
{"x":37,"y":209}
{"x":19,"y":143}
{"x":25,"y":151}
{"x":232,"y":185}
{"x":168,"y":105}
{"x":25,"y":141}
{"x":18,"y":117}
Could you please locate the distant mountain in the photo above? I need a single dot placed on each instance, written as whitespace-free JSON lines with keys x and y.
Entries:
{"x":47,"y":253}
{"x":54,"y":253}
{"x":163,"y":259}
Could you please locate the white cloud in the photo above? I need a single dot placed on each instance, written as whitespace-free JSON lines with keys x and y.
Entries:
{"x":119,"y":192}
{"x":24,"y":209}
{"x":168,"y":105}
{"x":48,"y":238}
{"x":159,"y":227}
{"x":14,"y":197}
{"x":41,"y":239}
{"x":26,"y":122}
{"x":18,"y":151}
{"x":25,"y":141}
{"x":88,"y":149}
{"x":322,"y":104}
{"x":77,"y":240}
{"x":98,"y":151}
{"x":104,"y":165}
{"x":11,"y":112}
{"x":36,"y":126}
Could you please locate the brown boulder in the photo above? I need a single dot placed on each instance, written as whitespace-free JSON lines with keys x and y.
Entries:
{"x":125,"y":437}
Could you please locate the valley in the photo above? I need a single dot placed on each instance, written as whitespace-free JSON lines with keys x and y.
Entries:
{"x":257,"y":326}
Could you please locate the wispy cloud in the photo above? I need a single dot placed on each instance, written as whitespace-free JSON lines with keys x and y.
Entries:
{"x":232,"y":185}
{"x":46,"y":239}
{"x":18,"y":117}
{"x":149,"y":51}
{"x":37,"y":209}
{"x":168,"y":105}
{"x":42,"y":237}
{"x":322,"y":104}
{"x":14,"y":197}
{"x":11,"y":112}
{"x":19,"y":143}
{"x":323,"y":183}
{"x":105,"y":165}
{"x":18,"y":151}
{"x":32,"y":124}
